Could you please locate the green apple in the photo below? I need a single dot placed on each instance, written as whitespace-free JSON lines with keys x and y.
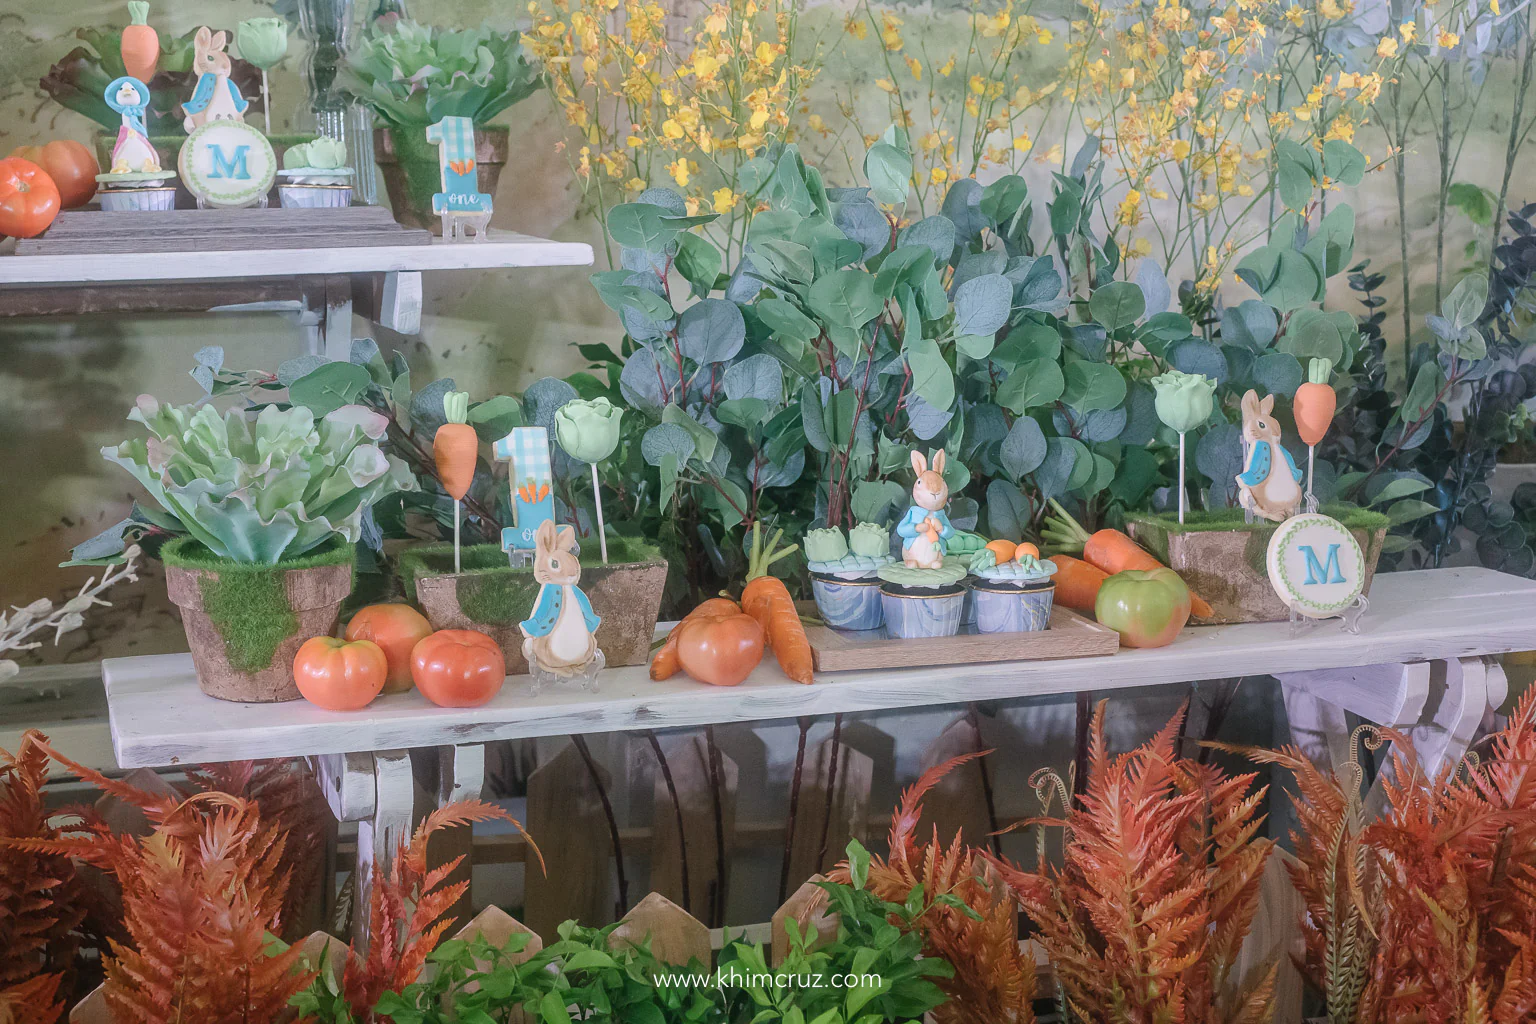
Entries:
{"x":1147,"y":607}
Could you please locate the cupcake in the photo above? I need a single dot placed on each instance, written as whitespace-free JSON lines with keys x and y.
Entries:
{"x":1013,"y":596}
{"x":843,"y":574}
{"x":923,"y":602}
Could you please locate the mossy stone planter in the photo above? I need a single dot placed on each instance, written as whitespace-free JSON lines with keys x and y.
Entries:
{"x":491,"y":597}
{"x":1223,"y":559}
{"x":411,"y":173}
{"x":245,"y":622}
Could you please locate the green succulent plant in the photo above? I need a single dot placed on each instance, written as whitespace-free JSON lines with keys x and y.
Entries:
{"x":413,"y":74}
{"x":261,"y":489}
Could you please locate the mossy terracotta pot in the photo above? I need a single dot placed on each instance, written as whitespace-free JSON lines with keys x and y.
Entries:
{"x":244,"y":623}
{"x":412,"y":175}
{"x":848,"y":604}
{"x":493,"y":598}
{"x":916,"y":612}
{"x":1012,"y":607}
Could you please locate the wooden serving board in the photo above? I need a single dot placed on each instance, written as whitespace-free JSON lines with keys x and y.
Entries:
{"x":1070,"y":636}
{"x":94,"y":231}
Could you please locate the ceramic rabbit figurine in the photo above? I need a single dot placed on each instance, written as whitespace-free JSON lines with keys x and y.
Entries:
{"x":131,"y":153}
{"x":216,"y":97}
{"x":925,"y":527}
{"x":558,"y":636}
{"x":1270,"y":483}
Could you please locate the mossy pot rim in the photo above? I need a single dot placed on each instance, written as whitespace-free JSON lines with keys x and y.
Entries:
{"x":1231,"y":520}
{"x":190,"y":553}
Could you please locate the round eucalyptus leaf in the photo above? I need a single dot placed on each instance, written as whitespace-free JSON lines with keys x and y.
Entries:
{"x":1278,"y":373}
{"x":1197,"y":356}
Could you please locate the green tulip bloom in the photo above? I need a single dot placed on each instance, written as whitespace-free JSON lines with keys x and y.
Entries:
{"x":262,"y":41}
{"x":825,"y":545}
{"x":1184,"y":400}
{"x":588,"y":430}
{"x":870,"y":539}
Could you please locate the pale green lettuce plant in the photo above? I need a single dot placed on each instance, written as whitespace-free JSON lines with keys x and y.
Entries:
{"x":261,"y":489}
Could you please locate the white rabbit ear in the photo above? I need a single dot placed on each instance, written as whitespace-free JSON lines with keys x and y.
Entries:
{"x":220,"y":40}
{"x":566,"y":538}
{"x":203,"y":38}
{"x":544,"y":538}
{"x":1267,"y":406}
{"x":938,"y":462}
{"x":919,"y":464}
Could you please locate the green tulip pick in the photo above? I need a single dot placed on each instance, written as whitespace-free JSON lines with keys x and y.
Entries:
{"x":1183,"y":402}
{"x":588,"y":431}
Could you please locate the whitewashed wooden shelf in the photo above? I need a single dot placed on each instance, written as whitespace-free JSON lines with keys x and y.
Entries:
{"x":160,"y":717}
{"x":502,"y":249}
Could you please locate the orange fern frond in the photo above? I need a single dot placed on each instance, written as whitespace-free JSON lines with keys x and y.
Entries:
{"x":34,"y":1001}
{"x":41,"y":901}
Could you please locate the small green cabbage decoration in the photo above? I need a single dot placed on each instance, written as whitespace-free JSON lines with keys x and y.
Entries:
{"x":319,"y":154}
{"x":826,"y":545}
{"x":415,"y":75}
{"x":263,"y":490}
{"x":871,"y":540}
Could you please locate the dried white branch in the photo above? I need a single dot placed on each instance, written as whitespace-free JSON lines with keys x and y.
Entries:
{"x":20,"y":623}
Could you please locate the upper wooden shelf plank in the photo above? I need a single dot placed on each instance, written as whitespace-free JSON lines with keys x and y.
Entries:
{"x":160,"y":717}
{"x":501,"y":249}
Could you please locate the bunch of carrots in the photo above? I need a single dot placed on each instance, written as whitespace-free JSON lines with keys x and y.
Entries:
{"x":711,"y":643}
{"x":1103,"y":554}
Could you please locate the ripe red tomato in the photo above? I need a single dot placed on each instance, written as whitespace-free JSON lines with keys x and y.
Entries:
{"x":719,"y":645}
{"x":338,"y":675}
{"x":71,"y":165}
{"x":29,"y":200}
{"x":396,"y":628}
{"x":458,"y":668}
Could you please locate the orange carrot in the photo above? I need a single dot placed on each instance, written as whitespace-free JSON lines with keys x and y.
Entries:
{"x":455,"y":448}
{"x":767,"y":600}
{"x":1314,"y":402}
{"x":665,"y":664}
{"x":1109,"y":550}
{"x":1077,"y":583}
{"x":141,"y":44}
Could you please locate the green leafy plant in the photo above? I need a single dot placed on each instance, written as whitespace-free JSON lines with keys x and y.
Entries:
{"x":259,"y":489}
{"x":415,"y":75}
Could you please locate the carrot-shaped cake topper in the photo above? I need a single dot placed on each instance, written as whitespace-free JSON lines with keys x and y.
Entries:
{"x":455,"y":449}
{"x":141,"y":44}
{"x":1313,"y":407}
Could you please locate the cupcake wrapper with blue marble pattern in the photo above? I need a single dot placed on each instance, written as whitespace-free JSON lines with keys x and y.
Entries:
{"x":1014,"y":611}
{"x":911,"y":618}
{"x":848,"y":605}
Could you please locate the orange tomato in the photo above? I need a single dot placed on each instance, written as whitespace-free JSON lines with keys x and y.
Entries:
{"x":29,"y":200}
{"x":458,"y":668}
{"x":339,"y":675}
{"x":396,"y":628}
{"x":1003,"y":549}
{"x":720,"y":645}
{"x":71,"y":165}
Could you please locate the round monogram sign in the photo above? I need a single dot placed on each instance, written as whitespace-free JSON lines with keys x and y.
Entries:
{"x":1316,"y":565}
{"x":227,"y":163}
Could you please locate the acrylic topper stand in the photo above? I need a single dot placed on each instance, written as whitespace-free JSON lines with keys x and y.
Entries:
{"x":1318,"y":570}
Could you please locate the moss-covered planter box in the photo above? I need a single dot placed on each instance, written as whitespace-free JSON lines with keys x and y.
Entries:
{"x":492,"y":597}
{"x":245,"y":622}
{"x":1223,"y":559}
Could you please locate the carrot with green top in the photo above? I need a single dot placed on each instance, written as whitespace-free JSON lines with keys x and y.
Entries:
{"x":1109,"y":550}
{"x":767,"y":600}
{"x":455,"y":450}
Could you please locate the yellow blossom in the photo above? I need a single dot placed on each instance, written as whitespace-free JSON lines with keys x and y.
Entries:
{"x":1141,"y":247}
{"x":1447,"y":39}
{"x":1333,"y":10}
{"x":978,"y":84}
{"x":635,"y":185}
{"x":948,"y":66}
{"x":1295,"y":15}
{"x":679,"y":171}
{"x":1129,"y":211}
{"x":1022,"y":142}
{"x":885,"y":85}
{"x":725,"y":200}
{"x":855,"y":27}
{"x":1409,"y":31}
{"x":938,"y":176}
{"x":1387,"y":47}
{"x":916,"y":67}
{"x":671,"y":129}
